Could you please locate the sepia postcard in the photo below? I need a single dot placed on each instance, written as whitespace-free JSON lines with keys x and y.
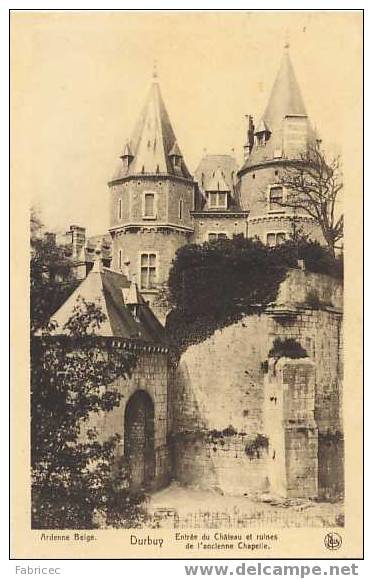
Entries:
{"x":186,"y":284}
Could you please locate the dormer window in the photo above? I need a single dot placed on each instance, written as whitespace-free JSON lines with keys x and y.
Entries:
{"x":262,"y":133}
{"x":127,"y":156}
{"x":175,"y":156}
{"x":149,"y":205}
{"x":218,"y":199}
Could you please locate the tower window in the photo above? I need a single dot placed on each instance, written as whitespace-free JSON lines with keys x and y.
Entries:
{"x":213,"y":236}
{"x":181,"y":209}
{"x":119,"y":208}
{"x":148,"y":270}
{"x":217,"y":200}
{"x":149,"y":206}
{"x":276,"y":238}
{"x":276,"y":197}
{"x":120,"y":259}
{"x":253,"y":175}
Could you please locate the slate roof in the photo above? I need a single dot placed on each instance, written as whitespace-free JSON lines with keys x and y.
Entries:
{"x":104,"y":287}
{"x":218,"y":171}
{"x":217,"y":182}
{"x":285,"y":100}
{"x":152,"y":142}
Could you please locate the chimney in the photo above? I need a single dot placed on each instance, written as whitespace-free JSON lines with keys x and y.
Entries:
{"x":77,"y":240}
{"x":250,"y":136}
{"x":97,"y":259}
{"x":50,"y":238}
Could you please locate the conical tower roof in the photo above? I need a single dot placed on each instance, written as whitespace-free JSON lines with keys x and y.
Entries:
{"x":152,"y":141}
{"x":286,"y":98}
{"x":285,"y":108}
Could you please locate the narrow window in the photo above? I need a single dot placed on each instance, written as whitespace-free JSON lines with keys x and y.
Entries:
{"x":119,"y":208}
{"x":274,"y":239}
{"x":271,"y":239}
{"x":222,"y":200}
{"x":180,"y":209}
{"x":148,"y":271}
{"x":120,"y":259}
{"x":275,"y":198}
{"x":213,"y":199}
{"x":212,"y":236}
{"x":149,"y":205}
{"x":217,"y":200}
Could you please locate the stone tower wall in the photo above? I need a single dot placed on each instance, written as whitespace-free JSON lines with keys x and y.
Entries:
{"x":254,"y":187}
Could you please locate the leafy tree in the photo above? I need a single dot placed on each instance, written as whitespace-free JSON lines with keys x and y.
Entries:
{"x":72,"y":375}
{"x":52,"y":277}
{"x":214,"y":284}
{"x":313,"y":184}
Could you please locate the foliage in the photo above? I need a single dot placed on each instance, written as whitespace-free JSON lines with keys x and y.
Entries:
{"x":313,"y":184}
{"x":287,"y":348}
{"x":52,"y":277}
{"x":214,"y":284}
{"x":255,"y":448}
{"x":72,"y":379}
{"x":317,"y":258}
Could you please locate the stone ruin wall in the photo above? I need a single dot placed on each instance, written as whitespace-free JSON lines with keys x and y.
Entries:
{"x":219,"y":406}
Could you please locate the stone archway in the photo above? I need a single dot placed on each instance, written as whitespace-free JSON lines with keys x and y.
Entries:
{"x":139,"y":439}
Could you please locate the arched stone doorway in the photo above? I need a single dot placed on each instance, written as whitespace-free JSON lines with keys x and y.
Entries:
{"x":139,"y":439}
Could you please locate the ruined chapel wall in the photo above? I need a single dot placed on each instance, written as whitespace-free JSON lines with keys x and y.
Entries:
{"x":219,"y":383}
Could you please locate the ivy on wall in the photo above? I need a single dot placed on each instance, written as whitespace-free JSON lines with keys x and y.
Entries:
{"x":214,"y":284}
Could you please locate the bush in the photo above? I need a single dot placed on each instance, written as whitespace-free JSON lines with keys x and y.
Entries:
{"x":214,"y":284}
{"x":287,"y":348}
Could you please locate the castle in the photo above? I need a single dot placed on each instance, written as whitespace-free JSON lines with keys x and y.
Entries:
{"x":157,"y":206}
{"x":227,"y":414}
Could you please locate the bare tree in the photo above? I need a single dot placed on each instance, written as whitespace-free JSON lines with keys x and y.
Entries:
{"x":313,"y":184}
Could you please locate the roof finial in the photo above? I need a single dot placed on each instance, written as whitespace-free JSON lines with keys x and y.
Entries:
{"x":155,"y":71}
{"x":287,"y":42}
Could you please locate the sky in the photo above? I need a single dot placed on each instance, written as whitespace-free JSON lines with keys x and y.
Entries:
{"x":79,"y":81}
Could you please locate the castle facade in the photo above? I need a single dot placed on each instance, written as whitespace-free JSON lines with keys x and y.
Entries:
{"x":157,"y":206}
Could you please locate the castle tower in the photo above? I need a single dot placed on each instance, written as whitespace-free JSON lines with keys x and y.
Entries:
{"x":152,"y":195}
{"x":281,"y":134}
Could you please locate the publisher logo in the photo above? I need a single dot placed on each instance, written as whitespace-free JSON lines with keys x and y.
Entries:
{"x":333,"y":541}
